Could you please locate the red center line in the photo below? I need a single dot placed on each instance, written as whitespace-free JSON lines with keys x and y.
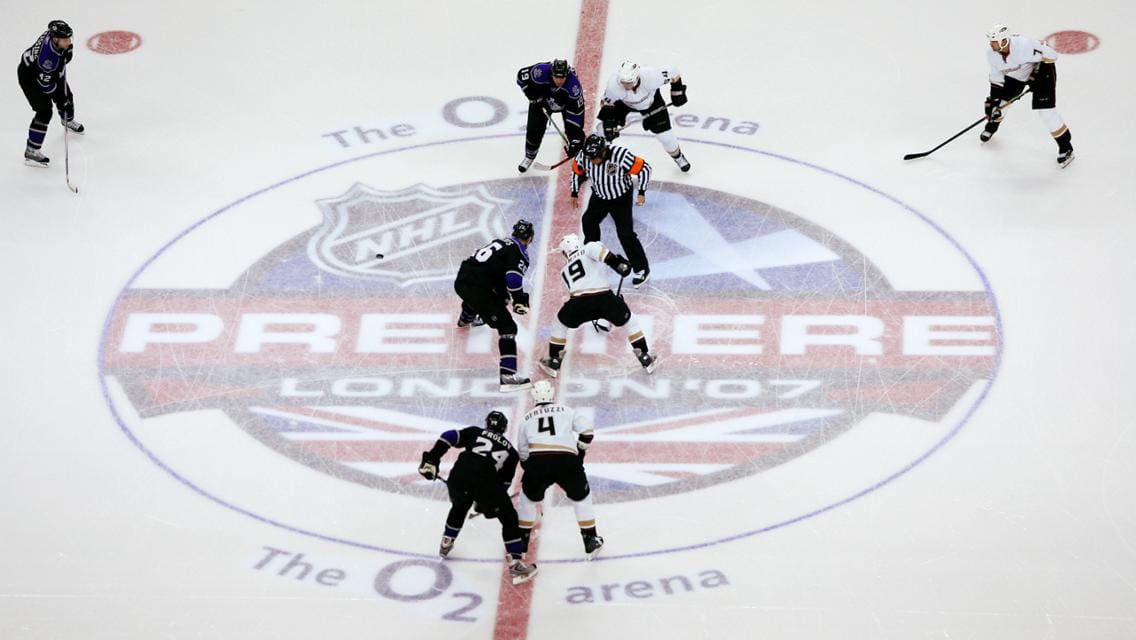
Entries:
{"x":515,"y":601}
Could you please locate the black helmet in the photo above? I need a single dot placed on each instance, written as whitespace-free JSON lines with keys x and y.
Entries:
{"x":59,"y":29}
{"x":559,"y":68}
{"x":595,"y":146}
{"x":523,"y":230}
{"x":496,"y":422}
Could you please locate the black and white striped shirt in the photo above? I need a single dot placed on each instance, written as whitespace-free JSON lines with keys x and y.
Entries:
{"x":613,"y":178}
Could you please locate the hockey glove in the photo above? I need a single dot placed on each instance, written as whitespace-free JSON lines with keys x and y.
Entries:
{"x":618,"y":263}
{"x":533,"y":94}
{"x":573,"y":148}
{"x":611,"y":130}
{"x":678,"y":93}
{"x":429,"y":466}
{"x":520,"y":302}
{"x":993,"y":109}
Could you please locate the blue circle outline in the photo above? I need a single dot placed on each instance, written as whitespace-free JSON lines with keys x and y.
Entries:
{"x":689,"y":547}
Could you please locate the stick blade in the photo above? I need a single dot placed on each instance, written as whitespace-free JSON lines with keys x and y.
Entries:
{"x":913,"y":156}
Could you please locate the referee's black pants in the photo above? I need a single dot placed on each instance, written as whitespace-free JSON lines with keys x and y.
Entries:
{"x":620,"y":210}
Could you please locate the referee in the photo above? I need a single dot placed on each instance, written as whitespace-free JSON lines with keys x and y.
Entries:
{"x":611,"y":168}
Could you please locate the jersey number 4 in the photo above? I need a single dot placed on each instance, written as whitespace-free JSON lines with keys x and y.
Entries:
{"x":546,"y":425}
{"x":484,"y":447}
{"x":574,"y":273}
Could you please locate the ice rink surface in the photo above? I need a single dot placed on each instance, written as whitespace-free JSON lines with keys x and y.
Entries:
{"x":893,"y":399}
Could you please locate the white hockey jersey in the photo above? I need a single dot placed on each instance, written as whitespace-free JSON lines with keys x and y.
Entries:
{"x":586,"y":273}
{"x":640,"y":99}
{"x":1024,"y":55}
{"x":551,"y":428}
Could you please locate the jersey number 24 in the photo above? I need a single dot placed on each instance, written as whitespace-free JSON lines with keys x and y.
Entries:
{"x":484,"y":447}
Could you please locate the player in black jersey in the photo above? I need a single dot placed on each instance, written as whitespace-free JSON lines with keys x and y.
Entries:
{"x":482,"y":474}
{"x":487,"y":281}
{"x":551,"y":87}
{"x":43,"y":78}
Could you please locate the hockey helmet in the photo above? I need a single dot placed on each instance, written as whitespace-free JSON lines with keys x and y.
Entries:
{"x":628,"y":73}
{"x":559,"y":68}
{"x":595,"y":146}
{"x":496,"y":422}
{"x":59,"y":29}
{"x":998,"y":33}
{"x":542,"y":392}
{"x":570,"y":245}
{"x":523,"y":230}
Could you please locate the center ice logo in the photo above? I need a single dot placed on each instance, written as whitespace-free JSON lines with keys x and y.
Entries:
{"x":402,"y":235}
{"x":777,"y":337}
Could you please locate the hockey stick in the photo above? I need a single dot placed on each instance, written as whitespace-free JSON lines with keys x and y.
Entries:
{"x":545,"y":167}
{"x":478,"y":513}
{"x":619,"y":294}
{"x":644,"y":116}
{"x":913,"y":156}
{"x":475,"y":512}
{"x":67,"y":160}
{"x":540,"y":166}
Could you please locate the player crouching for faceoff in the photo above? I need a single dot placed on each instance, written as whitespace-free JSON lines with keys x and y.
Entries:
{"x":591,"y":299}
{"x":486,"y":281}
{"x":43,"y":78}
{"x":482,"y":474}
{"x":637,"y":88}
{"x":551,"y":441}
{"x":551,"y":87}
{"x":1017,"y":61}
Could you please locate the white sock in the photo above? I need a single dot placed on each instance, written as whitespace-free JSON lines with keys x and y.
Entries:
{"x":1052,"y":121}
{"x":585,"y":512}
{"x":669,"y":141}
{"x":526,"y":511}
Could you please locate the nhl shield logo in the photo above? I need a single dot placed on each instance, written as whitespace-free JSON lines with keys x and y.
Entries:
{"x":410,"y":229}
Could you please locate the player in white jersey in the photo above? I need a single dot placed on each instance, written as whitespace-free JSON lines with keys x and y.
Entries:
{"x":551,"y":442}
{"x":591,"y":299}
{"x":637,"y":88}
{"x":1017,"y":61}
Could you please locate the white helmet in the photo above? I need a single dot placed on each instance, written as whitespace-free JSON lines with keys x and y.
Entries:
{"x":570,"y":245}
{"x":542,"y":392}
{"x":998,"y":33}
{"x":629,"y":72}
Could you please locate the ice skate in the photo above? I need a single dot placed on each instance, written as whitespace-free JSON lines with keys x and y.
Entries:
{"x":511,"y":382}
{"x":551,"y":366}
{"x":520,"y":571}
{"x":446,"y":547}
{"x":682,"y":162}
{"x":1064,"y":158}
{"x":525,"y":163}
{"x":649,"y":361}
{"x":33,"y":158}
{"x":74,"y":127}
{"x":592,"y":545}
{"x":640,"y":278}
{"x":465,"y":321}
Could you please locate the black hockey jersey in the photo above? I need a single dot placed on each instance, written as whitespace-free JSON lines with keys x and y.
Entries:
{"x":499,"y":265}
{"x":484,"y":451}
{"x":46,"y":64}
